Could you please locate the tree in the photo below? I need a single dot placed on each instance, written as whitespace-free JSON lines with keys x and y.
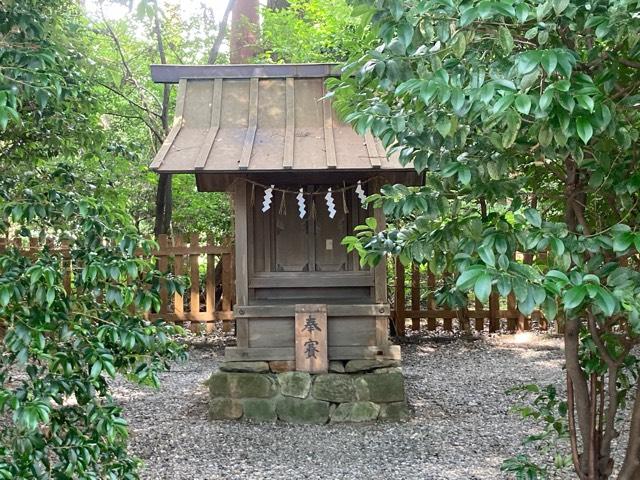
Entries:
{"x":63,"y":341}
{"x":522,"y":118}
{"x":136,"y":113}
{"x":310,"y":31}
{"x":244,"y":30}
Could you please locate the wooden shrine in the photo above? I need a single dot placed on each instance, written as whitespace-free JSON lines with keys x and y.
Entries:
{"x":265,"y":134}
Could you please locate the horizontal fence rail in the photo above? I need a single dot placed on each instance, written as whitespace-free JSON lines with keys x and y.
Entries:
{"x":418,"y":287}
{"x":209,"y":298}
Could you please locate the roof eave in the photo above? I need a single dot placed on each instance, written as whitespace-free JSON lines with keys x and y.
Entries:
{"x":173,"y":73}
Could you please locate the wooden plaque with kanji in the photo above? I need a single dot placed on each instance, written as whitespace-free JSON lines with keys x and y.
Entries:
{"x":311,"y":338}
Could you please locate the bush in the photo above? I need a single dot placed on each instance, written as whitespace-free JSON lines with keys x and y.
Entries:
{"x":62,"y":345}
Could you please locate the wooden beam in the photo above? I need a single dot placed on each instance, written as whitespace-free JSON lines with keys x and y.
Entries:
{"x":174,"y":73}
{"x":250,"y":136}
{"x":289,"y":134}
{"x":374,"y":157}
{"x":329,"y":141}
{"x":178,"y":121}
{"x":267,"y":312}
{"x":335,"y":353}
{"x":214,"y":126}
{"x":193,"y":317}
{"x":312,"y":279}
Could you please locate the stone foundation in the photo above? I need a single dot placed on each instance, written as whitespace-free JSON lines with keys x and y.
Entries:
{"x":352,"y":391}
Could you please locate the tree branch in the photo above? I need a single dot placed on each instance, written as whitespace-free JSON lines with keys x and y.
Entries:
{"x":222,"y":31}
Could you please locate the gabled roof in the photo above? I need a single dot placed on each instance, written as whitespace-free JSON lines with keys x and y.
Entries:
{"x":260,"y":118}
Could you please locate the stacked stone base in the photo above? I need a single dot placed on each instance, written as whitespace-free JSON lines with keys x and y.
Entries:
{"x":353,"y":391}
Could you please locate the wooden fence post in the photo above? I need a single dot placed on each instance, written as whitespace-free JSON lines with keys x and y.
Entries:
{"x":163,"y":264}
{"x":194,"y":297}
{"x":479,"y":321}
{"x":210,"y":288}
{"x":400,"y":299}
{"x":415,"y":297}
{"x":431,"y":302}
{"x":494,"y":312}
{"x":178,"y":260}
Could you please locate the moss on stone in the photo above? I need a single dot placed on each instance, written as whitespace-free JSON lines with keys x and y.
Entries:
{"x":356,"y":412}
{"x":307,"y":411}
{"x":294,"y":384}
{"x":224,"y":409}
{"x":260,"y":409}
{"x":334,"y":387}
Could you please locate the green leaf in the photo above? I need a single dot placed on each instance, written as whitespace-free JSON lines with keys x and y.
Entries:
{"x":482,"y":287}
{"x":464,"y":175}
{"x":574,"y":296}
{"x":622,"y":241}
{"x":4,"y":117}
{"x":486,"y":254}
{"x":584,"y":129}
{"x":523,"y":103}
{"x":549,"y":62}
{"x":96,"y":369}
{"x":550,"y":308}
{"x":504,"y":285}
{"x":533,"y":217}
{"x":42,"y":97}
{"x":606,"y":302}
{"x":545,"y":99}
{"x":468,"y":278}
{"x":557,"y":246}
{"x":505,"y":40}
{"x":443,"y":125}
{"x":560,"y":6}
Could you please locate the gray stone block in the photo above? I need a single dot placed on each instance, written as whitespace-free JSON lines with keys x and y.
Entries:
{"x":250,"y":367}
{"x":307,"y":411}
{"x":241,"y":385}
{"x":294,"y":384}
{"x":394,"y":412}
{"x":260,"y":409}
{"x":334,"y":387}
{"x":385,"y":387}
{"x":356,"y":412}
{"x":224,"y":409}
{"x":336,"y":366}
{"x":353,"y":366}
{"x":279,"y":366}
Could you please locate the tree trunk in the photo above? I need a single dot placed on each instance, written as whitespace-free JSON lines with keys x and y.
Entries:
{"x":164,"y":194}
{"x":244,"y":30}
{"x":631,"y":466}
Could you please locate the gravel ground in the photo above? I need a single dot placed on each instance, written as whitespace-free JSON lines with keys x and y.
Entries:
{"x":461,"y":428}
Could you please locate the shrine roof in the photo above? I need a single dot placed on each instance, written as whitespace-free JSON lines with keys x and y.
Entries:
{"x":261,"y":118}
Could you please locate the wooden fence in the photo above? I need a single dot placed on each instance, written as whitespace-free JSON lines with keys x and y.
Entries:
{"x":209,"y":267}
{"x":418,"y":287}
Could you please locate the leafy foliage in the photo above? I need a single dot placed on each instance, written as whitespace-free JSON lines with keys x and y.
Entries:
{"x":546,"y":408}
{"x":521,"y":116}
{"x":309,"y":31}
{"x":61,"y":346}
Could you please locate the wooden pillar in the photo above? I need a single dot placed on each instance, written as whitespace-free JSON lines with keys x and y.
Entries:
{"x":241,"y":254}
{"x":381,"y":294}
